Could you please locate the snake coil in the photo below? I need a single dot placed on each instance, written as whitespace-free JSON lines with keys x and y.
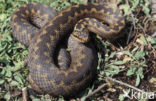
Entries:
{"x":39,"y":27}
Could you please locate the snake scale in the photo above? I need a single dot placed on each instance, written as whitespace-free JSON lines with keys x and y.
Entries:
{"x":39,"y":27}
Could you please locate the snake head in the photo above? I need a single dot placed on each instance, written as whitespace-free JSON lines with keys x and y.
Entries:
{"x":81,"y":35}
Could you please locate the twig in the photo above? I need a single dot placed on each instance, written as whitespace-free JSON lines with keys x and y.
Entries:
{"x":125,"y":84}
{"x":116,"y":81}
{"x":24,"y":94}
{"x":95,"y":91}
{"x":133,"y":18}
{"x":129,"y":35}
{"x":133,"y":21}
{"x":154,"y":34}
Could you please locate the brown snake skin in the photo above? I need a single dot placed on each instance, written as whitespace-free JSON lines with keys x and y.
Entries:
{"x":36,"y":26}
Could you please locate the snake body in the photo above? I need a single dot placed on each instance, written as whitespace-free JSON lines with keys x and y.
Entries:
{"x":45,"y":76}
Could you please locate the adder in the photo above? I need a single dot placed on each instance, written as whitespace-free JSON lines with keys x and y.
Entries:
{"x":37,"y":26}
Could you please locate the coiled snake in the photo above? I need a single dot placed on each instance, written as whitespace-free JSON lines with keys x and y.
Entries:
{"x":36,"y":26}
